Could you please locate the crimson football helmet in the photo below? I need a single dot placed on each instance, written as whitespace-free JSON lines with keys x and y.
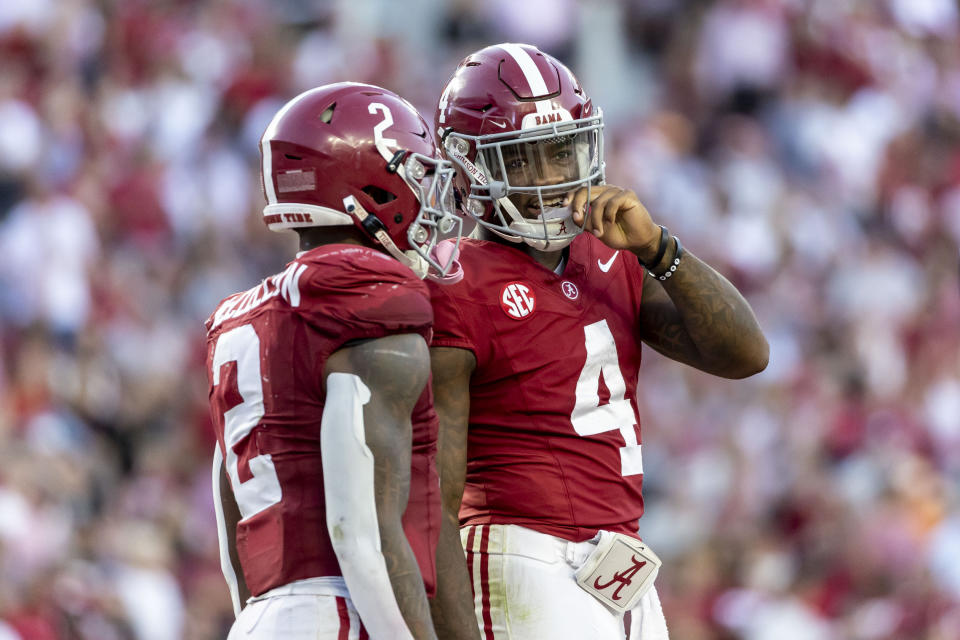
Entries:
{"x":356,"y":154}
{"x":517,"y":123}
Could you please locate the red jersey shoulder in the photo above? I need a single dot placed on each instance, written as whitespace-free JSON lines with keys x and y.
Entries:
{"x":366,"y":287}
{"x":356,"y":288}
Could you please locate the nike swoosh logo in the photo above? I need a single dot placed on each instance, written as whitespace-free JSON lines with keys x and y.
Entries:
{"x":605,"y":266}
{"x":498,"y":124}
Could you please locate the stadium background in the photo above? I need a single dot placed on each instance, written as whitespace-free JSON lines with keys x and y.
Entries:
{"x":806,"y":148}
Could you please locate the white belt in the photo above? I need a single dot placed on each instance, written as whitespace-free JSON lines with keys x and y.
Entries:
{"x":325,"y":586}
{"x":518,"y":540}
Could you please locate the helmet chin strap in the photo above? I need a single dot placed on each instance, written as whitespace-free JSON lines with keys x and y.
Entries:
{"x":515,"y":216}
{"x":409,"y":258}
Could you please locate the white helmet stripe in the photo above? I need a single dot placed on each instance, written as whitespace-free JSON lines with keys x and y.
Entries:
{"x":265,"y":139}
{"x":267,"y":174}
{"x":531,"y":72}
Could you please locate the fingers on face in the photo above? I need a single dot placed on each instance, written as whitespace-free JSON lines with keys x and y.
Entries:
{"x":579,"y":202}
{"x":606,"y":208}
{"x":584,"y":196}
{"x":602,"y":211}
{"x":605,"y":202}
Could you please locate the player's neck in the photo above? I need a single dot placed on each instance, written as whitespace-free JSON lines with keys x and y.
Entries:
{"x":547,"y":259}
{"x":313,"y":237}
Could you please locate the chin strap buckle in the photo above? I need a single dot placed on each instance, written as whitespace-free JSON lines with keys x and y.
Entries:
{"x":395,"y":161}
{"x":370,"y":223}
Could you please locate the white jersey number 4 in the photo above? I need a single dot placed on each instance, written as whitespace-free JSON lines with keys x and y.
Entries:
{"x":242,"y":345}
{"x":589,"y":417}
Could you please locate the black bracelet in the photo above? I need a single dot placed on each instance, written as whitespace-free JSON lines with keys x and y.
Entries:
{"x":676,"y":261}
{"x":661,"y":250}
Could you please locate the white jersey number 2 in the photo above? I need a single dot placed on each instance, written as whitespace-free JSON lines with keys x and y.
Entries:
{"x":589,"y":417}
{"x":242,"y":345}
{"x":383,"y":125}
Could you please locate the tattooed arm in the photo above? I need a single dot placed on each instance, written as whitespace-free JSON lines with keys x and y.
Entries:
{"x":372,"y":388}
{"x":452,"y":607}
{"x":697,"y":316}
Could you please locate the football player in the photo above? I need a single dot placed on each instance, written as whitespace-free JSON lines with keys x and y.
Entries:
{"x":324,"y":473}
{"x":536,"y":357}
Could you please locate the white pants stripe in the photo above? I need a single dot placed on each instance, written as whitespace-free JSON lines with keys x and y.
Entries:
{"x":524,"y":589}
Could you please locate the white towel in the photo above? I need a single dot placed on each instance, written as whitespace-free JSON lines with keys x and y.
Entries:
{"x":646,"y":619}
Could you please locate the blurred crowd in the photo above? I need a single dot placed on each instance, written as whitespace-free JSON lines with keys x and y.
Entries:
{"x":808,"y":149}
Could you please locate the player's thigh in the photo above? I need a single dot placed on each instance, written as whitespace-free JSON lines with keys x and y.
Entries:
{"x":297,"y":617}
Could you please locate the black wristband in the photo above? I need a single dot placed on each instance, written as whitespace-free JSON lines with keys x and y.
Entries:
{"x":676,"y":262}
{"x":661,"y":250}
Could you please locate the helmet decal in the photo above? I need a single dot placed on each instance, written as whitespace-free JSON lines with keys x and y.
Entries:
{"x":382,"y":143}
{"x":538,"y":86}
{"x":266,"y":152}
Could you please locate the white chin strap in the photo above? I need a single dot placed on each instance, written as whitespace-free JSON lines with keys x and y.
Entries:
{"x":410,"y":258}
{"x":558,"y":220}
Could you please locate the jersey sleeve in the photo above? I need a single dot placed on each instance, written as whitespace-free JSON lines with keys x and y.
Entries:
{"x":451,"y":326}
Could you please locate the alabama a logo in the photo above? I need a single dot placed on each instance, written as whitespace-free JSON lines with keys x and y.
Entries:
{"x":517,"y":300}
{"x":621,"y":578}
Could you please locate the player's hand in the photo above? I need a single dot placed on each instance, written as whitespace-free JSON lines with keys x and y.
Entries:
{"x":618,"y":218}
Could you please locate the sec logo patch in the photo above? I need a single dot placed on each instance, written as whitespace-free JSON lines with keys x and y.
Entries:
{"x":517,"y":300}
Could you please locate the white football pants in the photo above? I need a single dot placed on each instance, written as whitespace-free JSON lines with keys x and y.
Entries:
{"x":303,"y":610}
{"x":524,"y":589}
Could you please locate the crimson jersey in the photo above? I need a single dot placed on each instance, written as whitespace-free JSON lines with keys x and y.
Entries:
{"x":266,"y":351}
{"x":554,"y":434}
